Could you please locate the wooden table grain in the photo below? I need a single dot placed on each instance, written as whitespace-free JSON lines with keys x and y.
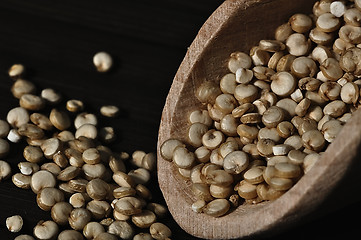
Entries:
{"x":56,"y":41}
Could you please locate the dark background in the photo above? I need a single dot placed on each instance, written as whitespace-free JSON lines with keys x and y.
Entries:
{"x":56,"y":41}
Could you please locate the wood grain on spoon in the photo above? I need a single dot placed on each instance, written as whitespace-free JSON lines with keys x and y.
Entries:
{"x":237,"y":26}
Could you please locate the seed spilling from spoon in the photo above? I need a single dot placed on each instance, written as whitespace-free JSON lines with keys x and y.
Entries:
{"x":89,"y":190}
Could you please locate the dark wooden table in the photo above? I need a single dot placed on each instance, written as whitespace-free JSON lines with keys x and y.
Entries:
{"x":56,"y":41}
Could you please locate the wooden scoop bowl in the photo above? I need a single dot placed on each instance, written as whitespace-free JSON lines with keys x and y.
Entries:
{"x":239,"y":25}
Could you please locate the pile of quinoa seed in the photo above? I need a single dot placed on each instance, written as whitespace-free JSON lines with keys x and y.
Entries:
{"x":266,"y":123}
{"x":89,"y":190}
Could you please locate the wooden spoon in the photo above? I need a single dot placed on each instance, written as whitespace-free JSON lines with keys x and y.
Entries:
{"x":238,"y":25}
